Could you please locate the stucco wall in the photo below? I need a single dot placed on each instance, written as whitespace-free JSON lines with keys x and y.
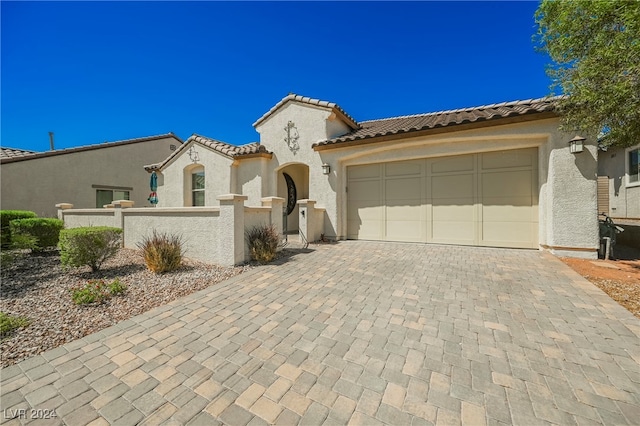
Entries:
{"x":174,"y":183}
{"x":197,"y":227}
{"x":90,"y":217}
{"x":249,"y":179}
{"x":39,"y":184}
{"x":566,"y":182}
{"x":624,"y":198}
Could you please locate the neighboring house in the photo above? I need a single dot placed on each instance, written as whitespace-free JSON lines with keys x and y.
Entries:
{"x":88,"y":177}
{"x":498,"y":175}
{"x":619,"y":182}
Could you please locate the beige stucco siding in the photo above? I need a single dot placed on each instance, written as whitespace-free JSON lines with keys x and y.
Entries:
{"x":39,"y":184}
{"x":174,"y":182}
{"x":624,"y":197}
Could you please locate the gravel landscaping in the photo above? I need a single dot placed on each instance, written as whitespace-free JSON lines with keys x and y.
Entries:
{"x":38,"y":288}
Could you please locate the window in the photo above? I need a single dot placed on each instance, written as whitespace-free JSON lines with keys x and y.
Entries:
{"x":633,"y":166}
{"x":197,"y":188}
{"x":107,"y":196}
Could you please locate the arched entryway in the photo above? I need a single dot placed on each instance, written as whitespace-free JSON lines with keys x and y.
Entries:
{"x":293,"y":185}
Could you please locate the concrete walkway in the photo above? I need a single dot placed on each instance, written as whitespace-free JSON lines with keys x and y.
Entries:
{"x":359,"y":333}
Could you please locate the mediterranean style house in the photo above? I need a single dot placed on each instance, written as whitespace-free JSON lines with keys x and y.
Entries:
{"x":88,"y":176}
{"x":498,"y":175}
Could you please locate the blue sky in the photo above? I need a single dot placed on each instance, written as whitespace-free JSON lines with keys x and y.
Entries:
{"x":105,"y":71}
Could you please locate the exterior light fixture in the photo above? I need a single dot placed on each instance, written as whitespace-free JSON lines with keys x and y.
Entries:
{"x":576,"y":145}
{"x":326,"y":169}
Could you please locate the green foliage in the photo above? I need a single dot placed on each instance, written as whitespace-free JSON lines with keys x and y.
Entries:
{"x":45,"y":232}
{"x":89,"y":246}
{"x":19,"y":243}
{"x":6,"y":216}
{"x":162,"y":252}
{"x":263,"y":243}
{"x":96,"y":291}
{"x":8,"y":323}
{"x":595,"y":47}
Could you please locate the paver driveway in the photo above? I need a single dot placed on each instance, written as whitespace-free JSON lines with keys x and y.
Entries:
{"x":361,"y":333}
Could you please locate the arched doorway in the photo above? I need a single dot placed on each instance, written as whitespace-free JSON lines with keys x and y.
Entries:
{"x":293,"y":185}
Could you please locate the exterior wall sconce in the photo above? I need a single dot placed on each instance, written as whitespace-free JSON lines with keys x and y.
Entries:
{"x":576,"y":145}
{"x":326,"y":169}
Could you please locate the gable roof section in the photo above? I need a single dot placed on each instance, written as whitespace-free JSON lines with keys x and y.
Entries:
{"x":6,"y":152}
{"x":423,"y":122}
{"x":291,"y":97}
{"x":227,"y":150}
{"x":34,"y":155}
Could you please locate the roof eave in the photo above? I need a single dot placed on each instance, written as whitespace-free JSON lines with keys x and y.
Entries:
{"x":454,"y":127}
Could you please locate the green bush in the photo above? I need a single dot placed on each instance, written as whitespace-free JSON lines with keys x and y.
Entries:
{"x":89,"y":246}
{"x":9,"y":323}
{"x":96,"y":291}
{"x":162,"y":252}
{"x":45,"y":231}
{"x":263,"y":243}
{"x":6,"y":216}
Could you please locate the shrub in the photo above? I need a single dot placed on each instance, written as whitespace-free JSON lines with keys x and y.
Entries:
{"x":6,"y":216}
{"x":96,"y":291}
{"x":263,"y":243}
{"x":162,"y":252}
{"x":9,"y":323}
{"x":45,"y":231}
{"x":88,"y":246}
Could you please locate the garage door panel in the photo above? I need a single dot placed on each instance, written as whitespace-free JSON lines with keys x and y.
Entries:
{"x":404,"y":230}
{"x":484,"y":199}
{"x":505,"y":184}
{"x":501,"y":160}
{"x":507,"y":234}
{"x":404,"y":188}
{"x":451,"y":212}
{"x":460,"y":163}
{"x":367,"y":210}
{"x":366,"y":171}
{"x":403,"y":168}
{"x":365,"y":230}
{"x":453,"y":186}
{"x":404,"y":211}
{"x":454,"y":232}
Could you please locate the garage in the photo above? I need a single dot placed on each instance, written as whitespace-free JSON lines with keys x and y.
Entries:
{"x":484,"y":199}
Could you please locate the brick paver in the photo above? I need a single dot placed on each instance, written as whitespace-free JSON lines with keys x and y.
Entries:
{"x":354,"y":332}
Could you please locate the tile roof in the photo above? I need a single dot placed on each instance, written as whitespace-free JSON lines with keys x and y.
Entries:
{"x":419,"y":122}
{"x":310,"y":101}
{"x":6,"y":152}
{"x":34,"y":155}
{"x":225,"y":149}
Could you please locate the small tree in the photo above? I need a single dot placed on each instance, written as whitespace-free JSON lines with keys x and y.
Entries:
{"x":89,"y":246}
{"x":595,"y":47}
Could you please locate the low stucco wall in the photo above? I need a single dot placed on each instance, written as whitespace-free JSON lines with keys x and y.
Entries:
{"x":90,"y":217}
{"x":210,"y":234}
{"x":197,"y":227}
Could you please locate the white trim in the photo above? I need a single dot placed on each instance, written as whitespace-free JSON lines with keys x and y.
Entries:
{"x":629,"y":184}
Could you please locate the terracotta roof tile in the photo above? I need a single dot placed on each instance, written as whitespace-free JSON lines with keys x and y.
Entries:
{"x":14,"y":152}
{"x":413,"y":123}
{"x":306,"y":100}
{"x":225,"y":149}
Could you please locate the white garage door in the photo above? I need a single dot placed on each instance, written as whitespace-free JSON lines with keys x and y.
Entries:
{"x":487,"y":199}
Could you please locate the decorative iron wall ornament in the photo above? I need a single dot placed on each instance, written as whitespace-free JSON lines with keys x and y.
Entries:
{"x":193,"y":154}
{"x":292,"y":195}
{"x":292,"y":137}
